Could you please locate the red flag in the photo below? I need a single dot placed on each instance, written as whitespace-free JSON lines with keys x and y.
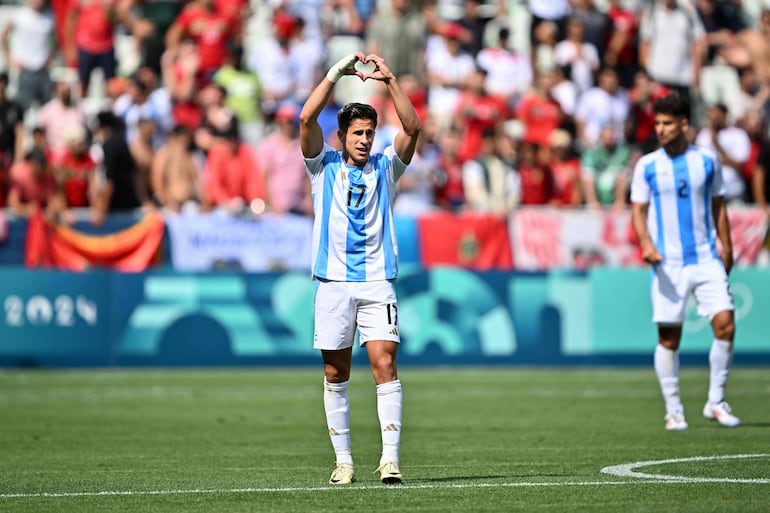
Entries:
{"x":61,"y":247}
{"x":475,"y":241}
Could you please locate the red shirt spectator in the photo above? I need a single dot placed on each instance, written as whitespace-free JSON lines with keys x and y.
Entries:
{"x":539,"y":112}
{"x":210,"y":29}
{"x":74,"y":175}
{"x":231,"y":176}
{"x":477,"y":112}
{"x":32,"y":184}
{"x":566,"y":170}
{"x":620,"y":47}
{"x":537,"y":181}
{"x":94,"y":25}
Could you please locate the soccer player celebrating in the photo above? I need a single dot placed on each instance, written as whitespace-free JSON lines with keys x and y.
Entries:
{"x":355,"y":256}
{"x":678,"y":212}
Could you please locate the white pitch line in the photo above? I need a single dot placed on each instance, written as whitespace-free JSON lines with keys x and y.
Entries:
{"x":355,"y":488}
{"x":624,"y":470}
{"x":627,"y":470}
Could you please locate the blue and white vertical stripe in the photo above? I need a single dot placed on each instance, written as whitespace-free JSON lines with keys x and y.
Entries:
{"x":354,"y":236}
{"x":679,"y":191}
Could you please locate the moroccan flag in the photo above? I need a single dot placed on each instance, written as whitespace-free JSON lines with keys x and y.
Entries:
{"x":55,"y":246}
{"x":475,"y":241}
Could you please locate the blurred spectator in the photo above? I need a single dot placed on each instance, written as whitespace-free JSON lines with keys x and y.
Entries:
{"x":750,"y":95}
{"x":59,"y":116}
{"x":731,"y":144}
{"x":722,"y":21}
{"x":91,"y":38}
{"x":509,"y":74}
{"x":564,"y":91}
{"x":116,"y":188}
{"x":449,"y":178}
{"x":604,"y":170}
{"x":448,"y":68}
{"x":232,"y":179}
{"x":672,"y":45}
{"x":596,"y":23}
{"x":398,"y":34}
{"x":308,"y":56}
{"x":243,"y":91}
{"x":144,"y":100}
{"x":473,"y":22}
{"x":477,"y":112}
{"x":582,"y":57}
{"x":416,"y":187}
{"x":621,"y":49}
{"x":537,"y":180}
{"x":149,"y":21}
{"x":175,"y":175}
{"x":32,"y":185}
{"x":640,"y":126}
{"x":238,"y":12}
{"x":11,"y":135}
{"x":547,"y":17}
{"x":216,"y":119}
{"x":180,"y":67}
{"x":277,"y":64}
{"x":605,"y":105}
{"x":211,"y":30}
{"x":566,"y":170}
{"x":31,"y":34}
{"x":757,"y":43}
{"x":544,"y":49}
{"x":280,"y":163}
{"x":490,"y":183}
{"x":142,"y":149}
{"x":76,"y":172}
{"x":539,"y":111}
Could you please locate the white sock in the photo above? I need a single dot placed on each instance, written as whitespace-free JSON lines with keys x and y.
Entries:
{"x":667,"y":369}
{"x":337,"y":409}
{"x":720,"y":359}
{"x":389,"y":401}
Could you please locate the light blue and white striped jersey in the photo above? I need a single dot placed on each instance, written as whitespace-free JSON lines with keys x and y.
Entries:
{"x":679,"y":191}
{"x":354,"y":236}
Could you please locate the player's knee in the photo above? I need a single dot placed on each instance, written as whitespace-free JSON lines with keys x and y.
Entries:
{"x":725,"y":330}
{"x":336,"y":374}
{"x":384,"y":368}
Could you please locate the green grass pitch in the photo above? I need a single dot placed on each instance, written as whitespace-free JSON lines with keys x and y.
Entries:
{"x":474,"y":440}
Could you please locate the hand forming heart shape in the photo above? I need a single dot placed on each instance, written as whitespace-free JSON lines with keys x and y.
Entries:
{"x":367,"y":68}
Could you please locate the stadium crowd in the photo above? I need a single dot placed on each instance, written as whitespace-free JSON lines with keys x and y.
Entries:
{"x":205,"y":114}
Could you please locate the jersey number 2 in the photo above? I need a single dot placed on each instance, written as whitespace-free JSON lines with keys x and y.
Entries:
{"x":683,"y":188}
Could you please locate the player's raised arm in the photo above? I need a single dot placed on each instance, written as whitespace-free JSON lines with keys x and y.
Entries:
{"x":406,"y":140}
{"x":311,"y":136}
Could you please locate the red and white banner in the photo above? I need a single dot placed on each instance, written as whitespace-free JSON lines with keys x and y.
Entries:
{"x":545,"y":238}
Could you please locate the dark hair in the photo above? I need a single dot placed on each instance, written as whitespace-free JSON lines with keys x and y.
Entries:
{"x":721,"y":107}
{"x":36,"y":155}
{"x":353,"y":111}
{"x":674,"y":105}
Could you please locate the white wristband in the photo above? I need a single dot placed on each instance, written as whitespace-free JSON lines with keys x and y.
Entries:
{"x":338,"y":70}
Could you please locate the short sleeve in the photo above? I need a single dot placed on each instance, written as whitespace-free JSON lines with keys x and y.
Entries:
{"x":640,"y":187}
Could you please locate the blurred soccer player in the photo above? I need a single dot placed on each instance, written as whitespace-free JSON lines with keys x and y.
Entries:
{"x":678,"y":212}
{"x":355,"y":257}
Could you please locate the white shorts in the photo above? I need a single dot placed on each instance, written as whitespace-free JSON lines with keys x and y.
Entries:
{"x":343,"y":306}
{"x":672,"y":284}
